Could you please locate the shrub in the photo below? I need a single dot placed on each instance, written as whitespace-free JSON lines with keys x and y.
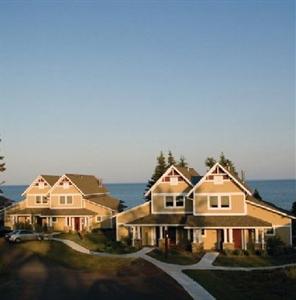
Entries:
{"x":275,"y":246}
{"x":237,"y":252}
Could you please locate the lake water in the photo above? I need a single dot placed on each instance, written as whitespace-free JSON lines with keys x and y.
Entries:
{"x":280,"y":192}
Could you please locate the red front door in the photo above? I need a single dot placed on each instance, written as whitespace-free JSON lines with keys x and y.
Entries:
{"x":237,"y":238}
{"x":77,"y":223}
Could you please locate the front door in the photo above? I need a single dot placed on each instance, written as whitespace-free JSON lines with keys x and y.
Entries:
{"x":77,"y":223}
{"x":172,"y":235}
{"x":220,"y":239}
{"x":237,"y":238}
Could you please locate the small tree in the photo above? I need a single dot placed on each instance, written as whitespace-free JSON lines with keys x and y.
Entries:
{"x":257,"y":195}
{"x":171,"y":159}
{"x":182,"y":162}
{"x":2,"y":168}
{"x":209,"y":162}
{"x":121,"y":206}
{"x":158,"y":171}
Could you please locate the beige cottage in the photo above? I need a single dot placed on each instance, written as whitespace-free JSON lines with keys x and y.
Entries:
{"x":215,"y":211}
{"x":71,"y":202}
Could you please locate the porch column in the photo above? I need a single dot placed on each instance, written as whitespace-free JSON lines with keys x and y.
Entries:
{"x":134,"y":235}
{"x":188,"y":235}
{"x":161,"y":232}
{"x":177,"y":236}
{"x":194,"y":235}
{"x":225,"y":236}
{"x":256,"y":236}
{"x":263,"y":239}
{"x":139,"y":233}
{"x":230,"y":235}
{"x":50,"y":221}
{"x":72,"y":223}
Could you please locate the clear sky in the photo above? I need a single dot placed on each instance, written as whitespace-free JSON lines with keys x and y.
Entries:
{"x":101,"y":87}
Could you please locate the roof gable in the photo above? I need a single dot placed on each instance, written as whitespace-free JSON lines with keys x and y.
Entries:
{"x":186,"y":173}
{"x":49,"y":179}
{"x":241,"y":185}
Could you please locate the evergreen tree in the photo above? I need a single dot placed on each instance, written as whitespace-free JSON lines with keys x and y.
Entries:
{"x":209,"y":162}
{"x":171,"y":159}
{"x":160,"y":168}
{"x":225,"y":162}
{"x":121,"y":206}
{"x":182,"y":162}
{"x":2,"y":167}
{"x":257,"y":195}
{"x":293,"y":210}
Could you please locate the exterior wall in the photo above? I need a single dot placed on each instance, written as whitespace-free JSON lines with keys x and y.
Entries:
{"x":237,"y":205}
{"x":158,"y":205}
{"x":228,"y":186}
{"x":166,"y":187}
{"x":35,"y":190}
{"x":77,"y":202}
{"x":31,"y":201}
{"x":59,"y":225}
{"x":266,"y":215}
{"x":210,"y":240}
{"x":147,"y":236}
{"x":101,"y":211}
{"x":128,"y":216}
{"x":284,"y":234}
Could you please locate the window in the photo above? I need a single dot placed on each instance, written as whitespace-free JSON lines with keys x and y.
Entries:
{"x":62,"y":200}
{"x":66,"y":200}
{"x":98,"y":219}
{"x":180,"y":201}
{"x":54,"y":219}
{"x":219,"y":202}
{"x":38,"y":200}
{"x":203,"y":232}
{"x":225,"y":201}
{"x":214,"y":201}
{"x":169,"y":201}
{"x":270,"y":231}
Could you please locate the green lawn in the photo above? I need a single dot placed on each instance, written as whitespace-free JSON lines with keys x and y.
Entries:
{"x":64,"y":255}
{"x":254,"y":260}
{"x":98,"y":241}
{"x":180,"y":257}
{"x":272,"y":285}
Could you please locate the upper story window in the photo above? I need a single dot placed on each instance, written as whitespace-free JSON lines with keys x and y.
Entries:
{"x":219,"y":201}
{"x":66,"y":200}
{"x":174,"y":201}
{"x":41,"y":199}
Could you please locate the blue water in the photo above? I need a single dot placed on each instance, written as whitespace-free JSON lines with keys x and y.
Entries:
{"x":280,"y":192}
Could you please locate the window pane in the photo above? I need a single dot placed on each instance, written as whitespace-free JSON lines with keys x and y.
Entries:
{"x":169,"y":201}
{"x":69,"y":199}
{"x":179,"y":201}
{"x":213,"y":201}
{"x":38,"y":199}
{"x":62,"y":199}
{"x":224,"y":201}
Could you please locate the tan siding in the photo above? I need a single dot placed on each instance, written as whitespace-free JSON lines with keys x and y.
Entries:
{"x":159,"y":205}
{"x":134,"y":213}
{"x":237,"y":205}
{"x":59,"y":225}
{"x":77,"y":202}
{"x":36,"y":190}
{"x":166,"y":187}
{"x":210,"y":240}
{"x":59,"y":189}
{"x":101,"y":211}
{"x":266,"y":215}
{"x":31,"y":201}
{"x":210,"y":187}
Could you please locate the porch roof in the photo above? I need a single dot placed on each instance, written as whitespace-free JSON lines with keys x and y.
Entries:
{"x":225,"y":221}
{"x":160,"y":219}
{"x":53,"y":212}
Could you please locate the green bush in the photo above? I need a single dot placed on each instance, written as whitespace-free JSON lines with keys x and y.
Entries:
{"x":275,"y":246}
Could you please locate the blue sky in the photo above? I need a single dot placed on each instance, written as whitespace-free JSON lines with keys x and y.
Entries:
{"x":101,"y":87}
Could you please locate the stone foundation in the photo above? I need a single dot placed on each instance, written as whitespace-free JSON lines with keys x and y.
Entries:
{"x":197,"y":247}
{"x":228,"y":246}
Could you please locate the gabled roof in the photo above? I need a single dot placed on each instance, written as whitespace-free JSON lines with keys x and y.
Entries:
{"x":188,"y":174}
{"x":269,"y":206}
{"x":86,"y":184}
{"x":50,"y":179}
{"x":231,"y":175}
{"x":104,"y":200}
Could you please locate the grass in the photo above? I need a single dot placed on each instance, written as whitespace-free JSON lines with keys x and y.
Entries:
{"x":254,"y":260}
{"x":64,"y":255}
{"x":275,"y":284}
{"x":176,"y":256}
{"x":99,"y":241}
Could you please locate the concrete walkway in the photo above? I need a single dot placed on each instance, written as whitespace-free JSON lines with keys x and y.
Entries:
{"x":195,"y":290}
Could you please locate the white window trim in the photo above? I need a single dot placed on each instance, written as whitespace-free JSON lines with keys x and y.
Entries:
{"x":56,"y":219}
{"x":219,"y":202}
{"x":174,"y":201}
{"x":98,"y":221}
{"x":42,"y":197}
{"x":270,"y":234}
